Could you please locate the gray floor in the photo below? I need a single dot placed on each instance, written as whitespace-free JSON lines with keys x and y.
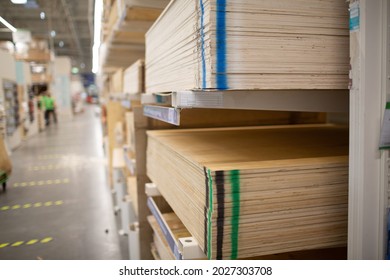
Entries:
{"x":62,"y":168}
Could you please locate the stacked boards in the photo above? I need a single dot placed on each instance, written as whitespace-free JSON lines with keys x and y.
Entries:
{"x":115,"y":113}
{"x":133,"y":78}
{"x":246,"y":192}
{"x":251,"y":44}
{"x":124,"y":30}
{"x":132,"y":192}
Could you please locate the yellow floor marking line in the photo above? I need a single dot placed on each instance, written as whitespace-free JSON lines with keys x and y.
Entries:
{"x":35,"y":205}
{"x":47,"y":167}
{"x":32,"y":242}
{"x":41,"y":183}
{"x":52,"y":156}
{"x":26,"y":243}
{"x":46,"y":240}
{"x":17,"y":244}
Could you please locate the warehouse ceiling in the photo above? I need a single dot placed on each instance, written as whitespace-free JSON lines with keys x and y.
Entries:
{"x":72,"y":21}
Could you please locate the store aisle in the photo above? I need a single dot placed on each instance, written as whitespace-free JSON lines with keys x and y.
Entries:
{"x":58,"y":204}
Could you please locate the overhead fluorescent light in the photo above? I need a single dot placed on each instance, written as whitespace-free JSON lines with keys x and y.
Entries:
{"x":97,"y":33}
{"x":42,"y":15}
{"x":53,"y":33}
{"x":7,"y":24}
{"x":19,"y":1}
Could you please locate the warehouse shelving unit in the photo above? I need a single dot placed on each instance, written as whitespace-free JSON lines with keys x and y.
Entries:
{"x":123,"y":36}
{"x":368,"y":181}
{"x":369,"y":187}
{"x":333,"y":101}
{"x":368,"y":166}
{"x":182,"y":248}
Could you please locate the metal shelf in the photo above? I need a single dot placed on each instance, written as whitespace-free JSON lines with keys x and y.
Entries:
{"x":184,"y":248}
{"x":164,"y":227}
{"x":130,"y":162}
{"x":165,"y":114}
{"x":125,"y":98}
{"x":280,"y":100}
{"x":332,"y":101}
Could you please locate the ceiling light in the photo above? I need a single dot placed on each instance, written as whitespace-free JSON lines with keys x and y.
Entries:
{"x":61,"y":44}
{"x":75,"y":70}
{"x":53,"y":33}
{"x":19,"y":1}
{"x":7,"y":24}
{"x":42,"y":15}
{"x":82,"y":65}
{"x":97,"y":33}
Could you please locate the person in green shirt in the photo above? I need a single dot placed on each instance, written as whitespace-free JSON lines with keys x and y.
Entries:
{"x":49,"y":106}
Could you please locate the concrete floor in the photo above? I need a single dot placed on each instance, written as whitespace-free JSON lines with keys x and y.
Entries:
{"x":58,"y":204}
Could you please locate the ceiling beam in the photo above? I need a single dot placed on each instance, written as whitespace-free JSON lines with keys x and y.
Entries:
{"x":90,"y":19}
{"x":72,"y":28}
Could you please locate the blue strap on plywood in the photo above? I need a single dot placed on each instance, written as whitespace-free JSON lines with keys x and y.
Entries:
{"x":222,"y":81}
{"x":221,"y":46}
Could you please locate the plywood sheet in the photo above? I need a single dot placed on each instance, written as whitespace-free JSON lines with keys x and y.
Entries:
{"x":246,"y":192}
{"x":250,"y":44}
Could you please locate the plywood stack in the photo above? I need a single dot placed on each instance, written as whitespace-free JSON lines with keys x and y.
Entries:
{"x":115,"y":113}
{"x":132,"y":192}
{"x":245,"y":192}
{"x":114,"y":56}
{"x":130,"y":19}
{"x":124,"y":30}
{"x":251,"y":44}
{"x":116,"y":81}
{"x":133,"y":78}
{"x":195,"y":118}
